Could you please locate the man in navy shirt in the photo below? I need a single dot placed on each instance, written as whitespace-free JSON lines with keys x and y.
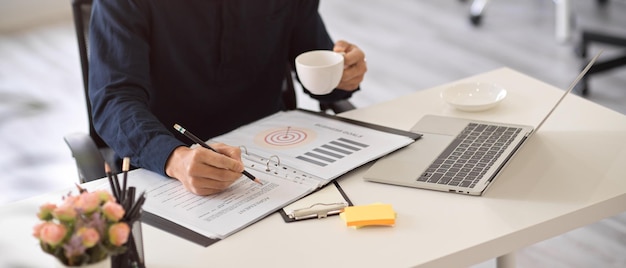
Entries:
{"x":209,"y":65}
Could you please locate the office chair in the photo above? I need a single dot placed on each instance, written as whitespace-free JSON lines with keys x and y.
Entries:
{"x":476,"y":11}
{"x":90,"y":151}
{"x":588,"y":38}
{"x":563,"y":16}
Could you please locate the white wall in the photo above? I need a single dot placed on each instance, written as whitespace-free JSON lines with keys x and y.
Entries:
{"x":19,"y":14}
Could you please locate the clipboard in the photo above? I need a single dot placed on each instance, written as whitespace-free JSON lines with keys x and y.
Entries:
{"x":327,"y":201}
{"x":295,"y":180}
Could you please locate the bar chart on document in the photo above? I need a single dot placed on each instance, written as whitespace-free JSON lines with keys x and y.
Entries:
{"x":301,"y":145}
{"x":293,"y":137}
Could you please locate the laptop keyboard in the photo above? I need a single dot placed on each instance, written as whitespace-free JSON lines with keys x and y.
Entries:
{"x":470,"y":155}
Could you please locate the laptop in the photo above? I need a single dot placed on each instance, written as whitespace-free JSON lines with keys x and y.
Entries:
{"x":457,"y":155}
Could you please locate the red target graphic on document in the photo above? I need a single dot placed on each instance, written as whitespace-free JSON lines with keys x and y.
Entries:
{"x":283,"y":138}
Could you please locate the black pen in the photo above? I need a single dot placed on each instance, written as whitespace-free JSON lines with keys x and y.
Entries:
{"x":203,"y":144}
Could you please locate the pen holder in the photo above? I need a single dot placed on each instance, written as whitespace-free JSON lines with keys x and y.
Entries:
{"x":133,"y":257}
{"x":125,"y":196}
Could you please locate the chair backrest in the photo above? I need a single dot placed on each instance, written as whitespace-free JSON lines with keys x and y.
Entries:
{"x":81,"y":10}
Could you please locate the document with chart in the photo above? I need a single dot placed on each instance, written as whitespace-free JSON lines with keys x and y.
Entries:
{"x":292,"y":153}
{"x":302,"y":145}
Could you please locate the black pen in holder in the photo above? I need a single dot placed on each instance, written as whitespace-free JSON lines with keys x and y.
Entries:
{"x":133,"y":257}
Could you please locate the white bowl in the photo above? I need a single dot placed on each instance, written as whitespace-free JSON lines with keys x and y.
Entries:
{"x":474,"y":96}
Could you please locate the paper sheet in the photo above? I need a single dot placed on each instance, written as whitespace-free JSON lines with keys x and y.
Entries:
{"x":218,"y":215}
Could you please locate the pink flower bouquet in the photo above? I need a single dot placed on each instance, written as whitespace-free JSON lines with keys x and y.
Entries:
{"x":83,"y":229}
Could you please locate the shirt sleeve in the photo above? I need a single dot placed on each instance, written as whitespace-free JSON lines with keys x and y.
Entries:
{"x":119,"y":85}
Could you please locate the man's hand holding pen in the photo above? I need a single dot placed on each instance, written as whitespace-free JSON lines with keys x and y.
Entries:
{"x":203,"y":171}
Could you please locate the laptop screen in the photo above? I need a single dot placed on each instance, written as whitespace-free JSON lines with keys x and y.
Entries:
{"x":571,"y":87}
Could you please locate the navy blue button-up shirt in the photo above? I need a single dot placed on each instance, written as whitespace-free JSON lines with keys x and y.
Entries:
{"x":208,"y":65}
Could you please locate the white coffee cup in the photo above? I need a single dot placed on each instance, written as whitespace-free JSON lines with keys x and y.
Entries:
{"x":320,"y":71}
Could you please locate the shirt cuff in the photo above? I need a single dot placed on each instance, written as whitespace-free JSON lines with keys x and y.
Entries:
{"x":157,"y":151}
{"x":335,"y":95}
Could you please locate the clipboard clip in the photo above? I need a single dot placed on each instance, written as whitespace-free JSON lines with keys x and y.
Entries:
{"x":318,"y":210}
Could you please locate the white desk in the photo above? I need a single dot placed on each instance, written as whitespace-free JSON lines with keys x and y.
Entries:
{"x":570,"y":174}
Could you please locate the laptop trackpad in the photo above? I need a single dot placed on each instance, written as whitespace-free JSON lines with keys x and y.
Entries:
{"x":440,"y":125}
{"x":407,"y":164}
